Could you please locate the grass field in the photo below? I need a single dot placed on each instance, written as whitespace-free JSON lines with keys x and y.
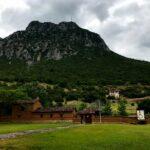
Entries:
{"x":86,"y":137}
{"x":15,"y":127}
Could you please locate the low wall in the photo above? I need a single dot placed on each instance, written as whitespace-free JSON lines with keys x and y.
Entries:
{"x":5,"y":118}
{"x":104,"y":119}
{"x":116,"y":119}
{"x":37,"y":117}
{"x":112,"y":119}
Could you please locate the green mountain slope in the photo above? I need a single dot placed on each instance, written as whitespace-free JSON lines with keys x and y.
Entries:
{"x":65,"y":52}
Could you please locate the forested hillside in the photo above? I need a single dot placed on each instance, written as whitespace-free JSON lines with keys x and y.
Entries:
{"x":65,"y":53}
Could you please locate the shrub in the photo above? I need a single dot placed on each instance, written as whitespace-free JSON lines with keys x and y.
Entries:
{"x":81,"y":106}
{"x":107,"y":109}
{"x":122,"y":107}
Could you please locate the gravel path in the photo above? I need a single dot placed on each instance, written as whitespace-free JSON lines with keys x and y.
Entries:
{"x":21,"y":133}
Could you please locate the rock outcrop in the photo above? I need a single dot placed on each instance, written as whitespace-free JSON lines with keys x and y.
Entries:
{"x":51,"y":41}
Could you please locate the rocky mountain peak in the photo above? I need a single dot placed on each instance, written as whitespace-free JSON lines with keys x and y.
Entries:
{"x":52,"y":41}
{"x":38,"y":26}
{"x":68,"y":25}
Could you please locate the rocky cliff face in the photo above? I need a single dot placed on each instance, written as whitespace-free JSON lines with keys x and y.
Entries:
{"x":51,"y":41}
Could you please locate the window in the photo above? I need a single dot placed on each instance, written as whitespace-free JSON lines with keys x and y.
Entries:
{"x":41,"y":115}
{"x":51,"y":115}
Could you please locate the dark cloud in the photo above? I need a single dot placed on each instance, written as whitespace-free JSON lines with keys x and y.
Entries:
{"x":124,"y":25}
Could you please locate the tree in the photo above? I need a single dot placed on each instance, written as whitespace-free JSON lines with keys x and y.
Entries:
{"x":107,"y":109}
{"x":57,"y":95}
{"x":81,"y":106}
{"x":145,"y":105}
{"x":72,"y":96}
{"x":122,"y":107}
{"x":9,"y":96}
{"x":92,"y":93}
{"x":35,"y":91}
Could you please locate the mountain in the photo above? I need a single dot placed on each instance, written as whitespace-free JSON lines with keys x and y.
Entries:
{"x":51,"y":41}
{"x":65,"y":52}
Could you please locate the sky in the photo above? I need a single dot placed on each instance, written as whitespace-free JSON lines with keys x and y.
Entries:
{"x":123,"y":24}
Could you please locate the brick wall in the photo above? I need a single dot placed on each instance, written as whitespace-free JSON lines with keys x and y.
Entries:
{"x":110,"y":119}
{"x":52,"y":116}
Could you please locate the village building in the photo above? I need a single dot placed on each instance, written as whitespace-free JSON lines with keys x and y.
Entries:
{"x":54,"y":113}
{"x":32,"y":110}
{"x":87,"y":116}
{"x":23,"y":109}
{"x":114,"y":93}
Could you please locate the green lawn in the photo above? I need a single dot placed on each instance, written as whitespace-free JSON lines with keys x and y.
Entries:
{"x":87,"y":137}
{"x":14,"y":127}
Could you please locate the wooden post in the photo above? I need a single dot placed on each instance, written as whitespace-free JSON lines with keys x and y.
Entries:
{"x":100,"y":117}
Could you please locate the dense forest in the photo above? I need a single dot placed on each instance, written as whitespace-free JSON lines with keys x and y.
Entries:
{"x":105,"y":70}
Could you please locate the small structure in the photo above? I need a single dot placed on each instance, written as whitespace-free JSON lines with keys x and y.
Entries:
{"x":114,"y":93}
{"x":22,"y":110}
{"x":87,"y":115}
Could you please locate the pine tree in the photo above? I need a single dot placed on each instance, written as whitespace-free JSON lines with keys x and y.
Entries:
{"x":122,"y":107}
{"x":107,"y":109}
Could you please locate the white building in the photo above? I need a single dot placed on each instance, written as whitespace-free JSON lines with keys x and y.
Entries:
{"x":114,"y":93}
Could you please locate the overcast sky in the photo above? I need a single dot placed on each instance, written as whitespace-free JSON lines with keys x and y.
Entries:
{"x":123,"y":24}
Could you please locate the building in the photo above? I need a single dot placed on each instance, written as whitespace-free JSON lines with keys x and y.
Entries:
{"x":86,"y":115}
{"x":54,"y":113}
{"x":32,"y":110}
{"x":93,"y":116}
{"x":114,"y":93}
{"x":23,"y":110}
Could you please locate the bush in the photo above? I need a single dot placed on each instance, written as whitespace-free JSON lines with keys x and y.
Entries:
{"x":81,"y":106}
{"x":122,"y":107}
{"x":107,"y":109}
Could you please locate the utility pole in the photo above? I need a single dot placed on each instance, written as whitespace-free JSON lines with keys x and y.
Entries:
{"x":100,"y":115}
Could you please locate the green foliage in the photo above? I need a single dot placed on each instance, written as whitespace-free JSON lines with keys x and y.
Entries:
{"x":81,"y":106}
{"x":73,"y":95}
{"x":136,"y":91}
{"x":102,"y":70}
{"x":122,"y":107}
{"x":10,"y":96}
{"x":107,"y":109}
{"x":145,"y":105}
{"x":91,"y":94}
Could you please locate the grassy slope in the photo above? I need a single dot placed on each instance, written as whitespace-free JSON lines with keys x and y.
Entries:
{"x":14,"y":127}
{"x":89,"y":137}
